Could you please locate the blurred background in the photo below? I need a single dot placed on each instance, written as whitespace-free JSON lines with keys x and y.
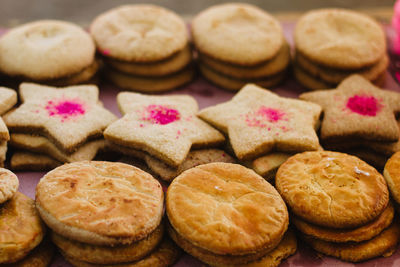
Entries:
{"x":13,"y":12}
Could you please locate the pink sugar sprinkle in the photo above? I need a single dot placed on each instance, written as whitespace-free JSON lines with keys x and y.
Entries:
{"x":64,"y":108}
{"x":158,"y":114}
{"x":105,"y":52}
{"x":272,"y":115}
{"x":364,"y":105}
{"x":263,"y":115}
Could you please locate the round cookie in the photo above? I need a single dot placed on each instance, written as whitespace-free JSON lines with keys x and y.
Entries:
{"x":384,"y":244}
{"x":100,"y":203}
{"x":332,"y":189}
{"x":21,"y":229}
{"x":226,"y":209}
{"x":150,"y":85}
{"x":139,"y":33}
{"x":365,"y":232}
{"x":45,"y":50}
{"x":8,"y":184}
{"x":392,"y":177}
{"x":107,"y":254}
{"x":340,"y":38}
{"x":237,"y":33}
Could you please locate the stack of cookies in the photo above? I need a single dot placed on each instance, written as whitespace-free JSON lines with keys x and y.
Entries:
{"x":49,"y":52}
{"x":360,"y":119}
{"x":145,"y":47}
{"x":332,"y":44}
{"x":240,"y":43}
{"x":226,"y":215}
{"x":8,"y":98}
{"x":56,"y":125}
{"x":22,"y":231}
{"x":340,"y":205}
{"x":104,"y":213}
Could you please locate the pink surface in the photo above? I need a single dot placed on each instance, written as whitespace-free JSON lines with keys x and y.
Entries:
{"x":206,"y":95}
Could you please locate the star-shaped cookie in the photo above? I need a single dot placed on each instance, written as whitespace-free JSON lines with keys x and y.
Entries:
{"x":356,"y":110}
{"x":258,"y":120}
{"x":67,"y":116}
{"x":163,"y":126}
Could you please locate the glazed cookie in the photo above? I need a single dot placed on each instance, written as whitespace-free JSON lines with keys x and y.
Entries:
{"x":21,"y":229}
{"x":162,"y":127}
{"x":67,"y":116}
{"x":227,"y":210}
{"x":340,"y":38}
{"x":104,"y":203}
{"x":332,"y":189}
{"x":139,"y":33}
{"x":8,"y":185}
{"x":27,"y":161}
{"x":237,"y":33}
{"x":258,"y":120}
{"x":357,"y":110}
{"x":45,"y":50}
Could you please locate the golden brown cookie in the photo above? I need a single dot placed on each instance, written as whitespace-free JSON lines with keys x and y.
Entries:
{"x":21,"y":229}
{"x":226,"y":209}
{"x":28,"y":161}
{"x":101,"y":203}
{"x":392,"y":177}
{"x":384,"y":244}
{"x":8,"y":184}
{"x":332,"y":189}
{"x":362,"y":233}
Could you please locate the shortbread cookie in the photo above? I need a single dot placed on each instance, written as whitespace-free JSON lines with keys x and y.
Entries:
{"x":274,"y":66}
{"x":105,"y":203}
{"x":213,"y":206}
{"x":40,"y":144}
{"x":193,"y":159}
{"x":21,"y":229}
{"x":365,"y":232}
{"x":168,"y":66}
{"x":392,"y":177}
{"x":106,"y":254}
{"x":67,"y":116}
{"x":28,"y":161}
{"x":165,"y":255}
{"x":8,"y":184}
{"x":162,"y":126}
{"x":340,"y":38}
{"x":237,"y":33}
{"x":309,"y":81}
{"x":258,"y":120}
{"x":139,"y":33}
{"x":268,"y":165}
{"x":384,"y":244}
{"x":332,"y":189}
{"x":236,"y":84}
{"x":357,"y":110}
{"x":8,"y":98}
{"x":150,"y":84}
{"x":46,"y":49}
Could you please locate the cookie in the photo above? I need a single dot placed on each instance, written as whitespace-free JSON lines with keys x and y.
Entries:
{"x":45,"y":50}
{"x":150,"y":84}
{"x":236,"y":84}
{"x":105,"y":203}
{"x":371,"y":157}
{"x":357,"y":110}
{"x":308,"y":81}
{"x":237,"y":33}
{"x":226,"y":209}
{"x":270,"y":68}
{"x":21,"y":229}
{"x":268,"y":165}
{"x":362,"y":233}
{"x":165,"y":255}
{"x":109,"y":255}
{"x":193,"y":159}
{"x":67,"y":116}
{"x":8,"y":184}
{"x":385,"y":148}
{"x":162,"y":127}
{"x":332,"y":189}
{"x":139,"y":33}
{"x":40,"y":144}
{"x":392,"y":177}
{"x":340,"y":38}
{"x":28,"y":161}
{"x":8,"y":98}
{"x":384,"y":244}
{"x":3,"y":152}
{"x":168,"y":66}
{"x":127,"y":151}
{"x":258,"y":121}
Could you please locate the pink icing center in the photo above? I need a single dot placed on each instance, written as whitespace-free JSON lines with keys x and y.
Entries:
{"x":263,"y":115}
{"x":158,"y":114}
{"x":64,"y":108}
{"x":363,"y":105}
{"x":272,"y":115}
